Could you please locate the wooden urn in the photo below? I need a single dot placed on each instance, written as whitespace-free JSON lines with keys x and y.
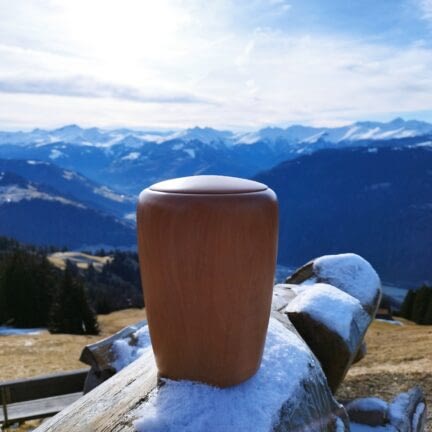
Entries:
{"x":207,"y":249}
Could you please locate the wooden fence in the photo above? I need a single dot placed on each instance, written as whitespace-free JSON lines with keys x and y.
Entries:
{"x":38,"y":397}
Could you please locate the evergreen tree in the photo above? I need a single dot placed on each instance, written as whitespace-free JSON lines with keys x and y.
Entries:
{"x":26,"y":287}
{"x":71,"y":311}
{"x":420,"y":305}
{"x":427,"y":319}
{"x":407,"y":305}
{"x":3,"y":309}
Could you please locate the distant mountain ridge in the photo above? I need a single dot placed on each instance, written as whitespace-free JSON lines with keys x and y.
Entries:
{"x":364,"y":130}
{"x":71,"y":184}
{"x":364,"y":188}
{"x":40,"y":214}
{"x":376,"y":202}
{"x":128,"y":160}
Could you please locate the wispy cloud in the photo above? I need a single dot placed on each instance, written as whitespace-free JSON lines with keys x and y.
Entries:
{"x":426,"y":8}
{"x":79,"y":86}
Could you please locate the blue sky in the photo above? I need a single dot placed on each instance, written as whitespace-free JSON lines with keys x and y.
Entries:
{"x":225,"y":63}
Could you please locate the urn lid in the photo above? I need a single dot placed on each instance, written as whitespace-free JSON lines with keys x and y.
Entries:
{"x":208,"y":184}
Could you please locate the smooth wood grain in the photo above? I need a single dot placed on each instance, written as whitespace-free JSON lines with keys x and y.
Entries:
{"x":207,"y":264}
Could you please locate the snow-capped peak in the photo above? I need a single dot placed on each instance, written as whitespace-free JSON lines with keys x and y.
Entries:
{"x":296,"y":134}
{"x":205,"y":135}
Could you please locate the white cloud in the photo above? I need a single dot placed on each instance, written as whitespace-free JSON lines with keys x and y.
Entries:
{"x":182,"y":63}
{"x":88,"y":87}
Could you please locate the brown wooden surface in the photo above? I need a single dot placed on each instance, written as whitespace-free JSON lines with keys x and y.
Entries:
{"x":38,"y":408}
{"x":207,"y":264}
{"x":42,"y":396}
{"x":44,"y":386}
{"x":108,"y":407}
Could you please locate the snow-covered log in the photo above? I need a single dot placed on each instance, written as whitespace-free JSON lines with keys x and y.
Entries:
{"x":100,"y":356}
{"x":349,"y":272}
{"x":333,"y":324}
{"x":369,"y":411}
{"x":289,"y":392}
{"x":406,"y":413}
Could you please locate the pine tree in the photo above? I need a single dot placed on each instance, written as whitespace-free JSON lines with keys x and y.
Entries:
{"x":407,"y":305}
{"x":420,"y":305}
{"x":427,"y":319}
{"x":26,"y":283}
{"x":71,"y":311}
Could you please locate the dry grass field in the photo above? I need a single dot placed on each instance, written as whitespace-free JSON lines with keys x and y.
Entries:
{"x":399,"y":357}
{"x":30,"y":355}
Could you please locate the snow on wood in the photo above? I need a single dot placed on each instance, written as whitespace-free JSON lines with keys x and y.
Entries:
{"x":333,"y":324}
{"x":349,"y":272}
{"x":407,"y":411}
{"x":370,"y":411}
{"x":252,"y":405}
{"x":289,"y":392}
{"x":333,"y":308}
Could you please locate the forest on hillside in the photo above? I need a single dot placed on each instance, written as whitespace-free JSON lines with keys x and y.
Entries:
{"x":35,"y":293}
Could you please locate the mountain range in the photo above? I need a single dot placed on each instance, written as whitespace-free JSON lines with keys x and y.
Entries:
{"x":363,"y":188}
{"x":73,"y":134}
{"x":127,"y":160}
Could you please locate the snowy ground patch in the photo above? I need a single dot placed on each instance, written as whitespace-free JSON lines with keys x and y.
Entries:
{"x":12,"y":331}
{"x":250,"y":406}
{"x":392,"y":322}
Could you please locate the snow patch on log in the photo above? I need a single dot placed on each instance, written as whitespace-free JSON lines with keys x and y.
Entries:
{"x":252,"y":405}
{"x":125,"y":352}
{"x":352,"y":274}
{"x":332,"y":307}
